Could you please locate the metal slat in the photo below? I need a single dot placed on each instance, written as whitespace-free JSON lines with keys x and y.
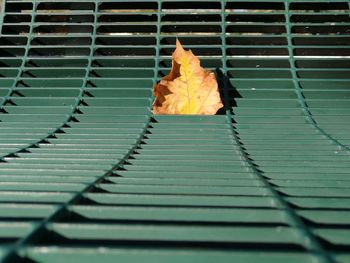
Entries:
{"x":150,"y":255}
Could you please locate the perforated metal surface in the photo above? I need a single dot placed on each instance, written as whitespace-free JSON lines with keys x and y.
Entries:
{"x":87,"y":174}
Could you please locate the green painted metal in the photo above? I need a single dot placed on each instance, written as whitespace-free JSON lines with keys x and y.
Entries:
{"x":89,"y":174}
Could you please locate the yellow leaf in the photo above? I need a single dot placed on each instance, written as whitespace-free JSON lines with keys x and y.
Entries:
{"x":188,"y":89}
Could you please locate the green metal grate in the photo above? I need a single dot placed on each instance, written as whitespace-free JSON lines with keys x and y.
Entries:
{"x":88,"y":174}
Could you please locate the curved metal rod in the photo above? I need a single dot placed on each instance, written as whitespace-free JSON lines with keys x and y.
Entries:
{"x":78,"y":99}
{"x":307,"y":238}
{"x":305,"y":108}
{"x":25,"y":55}
{"x":39,"y":230}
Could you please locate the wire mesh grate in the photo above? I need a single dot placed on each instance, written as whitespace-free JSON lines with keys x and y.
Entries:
{"x":87,"y":173}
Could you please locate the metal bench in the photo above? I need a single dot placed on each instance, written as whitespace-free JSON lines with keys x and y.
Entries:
{"x":88,"y":174}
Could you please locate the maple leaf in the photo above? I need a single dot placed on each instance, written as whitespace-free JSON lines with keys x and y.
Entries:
{"x":188,"y":89}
